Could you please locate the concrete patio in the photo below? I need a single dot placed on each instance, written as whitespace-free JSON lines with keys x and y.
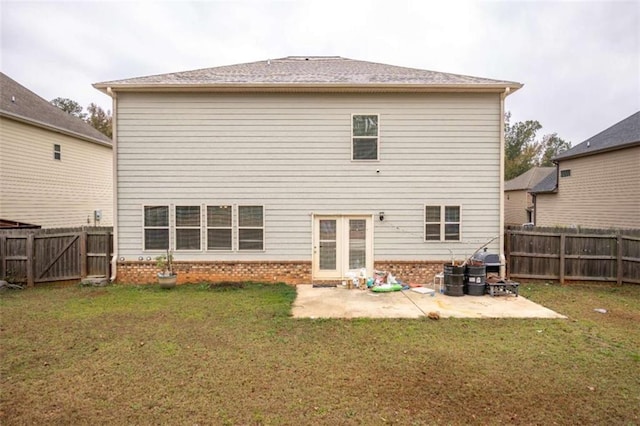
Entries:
{"x":339,"y":302}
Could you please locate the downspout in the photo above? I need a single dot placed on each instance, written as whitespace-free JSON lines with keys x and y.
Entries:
{"x":503,"y":95}
{"x":114,"y":143}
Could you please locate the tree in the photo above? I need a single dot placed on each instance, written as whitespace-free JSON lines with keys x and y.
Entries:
{"x":553,"y":145}
{"x":523,"y":151}
{"x":521,"y":148}
{"x":70,"y":106}
{"x":100,"y":120}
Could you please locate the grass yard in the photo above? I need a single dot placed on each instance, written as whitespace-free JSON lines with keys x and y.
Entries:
{"x":228,"y":355}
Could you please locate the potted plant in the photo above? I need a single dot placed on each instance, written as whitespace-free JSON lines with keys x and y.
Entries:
{"x":167,"y":278}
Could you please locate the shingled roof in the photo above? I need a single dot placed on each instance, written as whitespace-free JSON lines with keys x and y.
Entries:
{"x":529,"y":179}
{"x":621,"y":135}
{"x":312,"y":72}
{"x":19,"y":103}
{"x":548,"y":184}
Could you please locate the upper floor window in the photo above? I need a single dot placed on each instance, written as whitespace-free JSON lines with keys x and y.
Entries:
{"x":187,"y":227}
{"x":442,"y":223}
{"x":57,"y":152}
{"x":156,"y":227}
{"x":365,"y":137}
{"x":565,"y":173}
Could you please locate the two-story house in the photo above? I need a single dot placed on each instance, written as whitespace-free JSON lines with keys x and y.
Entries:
{"x":302,"y":168}
{"x":55,"y":169}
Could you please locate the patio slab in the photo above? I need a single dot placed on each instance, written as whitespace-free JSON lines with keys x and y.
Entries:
{"x":339,"y":302}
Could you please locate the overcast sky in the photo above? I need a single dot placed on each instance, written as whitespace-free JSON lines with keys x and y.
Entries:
{"x":579,"y":60}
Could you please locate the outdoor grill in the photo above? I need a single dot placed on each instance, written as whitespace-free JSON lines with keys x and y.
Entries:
{"x":490,"y":260}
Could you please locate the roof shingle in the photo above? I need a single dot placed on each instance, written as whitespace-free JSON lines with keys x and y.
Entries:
{"x":19,"y":102}
{"x":303,"y":71}
{"x":528,"y":179}
{"x":620,"y":135}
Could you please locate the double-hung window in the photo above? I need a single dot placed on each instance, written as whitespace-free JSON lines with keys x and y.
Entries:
{"x":365,"y":137}
{"x":57,"y":152}
{"x":156,"y":227}
{"x":442,"y":223}
{"x":188,"y":228}
{"x":219,"y":227}
{"x":250,"y":228}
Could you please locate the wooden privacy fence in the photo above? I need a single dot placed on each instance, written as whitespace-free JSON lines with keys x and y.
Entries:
{"x":35,"y":256}
{"x":571,"y":254}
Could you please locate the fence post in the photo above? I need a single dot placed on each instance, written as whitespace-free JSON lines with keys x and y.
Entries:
{"x":107,"y":260}
{"x":83,"y":253}
{"x":619,"y":259}
{"x":30,"y":259}
{"x":507,"y":253}
{"x":3,"y":257}
{"x":563,"y":238}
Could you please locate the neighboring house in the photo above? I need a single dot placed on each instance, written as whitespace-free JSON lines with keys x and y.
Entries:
{"x":302,"y":168}
{"x":597,"y":183}
{"x":55,"y":169}
{"x":518,"y":202}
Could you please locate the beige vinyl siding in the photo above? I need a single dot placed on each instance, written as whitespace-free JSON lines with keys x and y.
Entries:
{"x":36,"y":189}
{"x":291,"y":153}
{"x":602,"y":192}
{"x":515,"y":207}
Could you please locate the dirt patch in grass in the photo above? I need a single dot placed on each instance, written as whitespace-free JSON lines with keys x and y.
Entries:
{"x":142,"y":355}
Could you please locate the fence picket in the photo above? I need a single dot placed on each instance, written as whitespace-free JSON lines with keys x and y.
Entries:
{"x":580,"y":255}
{"x":36,"y":256}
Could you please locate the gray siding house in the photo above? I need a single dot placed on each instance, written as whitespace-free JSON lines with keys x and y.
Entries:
{"x":55,"y":169}
{"x":596,"y":183}
{"x":302,"y":168}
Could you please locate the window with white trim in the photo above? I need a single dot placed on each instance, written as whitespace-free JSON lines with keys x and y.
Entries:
{"x":156,"y":227}
{"x":57,"y":152}
{"x":365,"y":137}
{"x":250,"y":228}
{"x":188,"y":228}
{"x":442,"y":223}
{"x":219,"y":227}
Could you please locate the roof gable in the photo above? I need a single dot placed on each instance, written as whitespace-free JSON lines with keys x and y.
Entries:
{"x":309,"y":72}
{"x":620,"y":135}
{"x":18,"y":102}
{"x":528,"y":179}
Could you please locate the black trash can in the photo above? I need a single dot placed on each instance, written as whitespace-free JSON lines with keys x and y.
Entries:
{"x":476,"y":280}
{"x":453,"y":280}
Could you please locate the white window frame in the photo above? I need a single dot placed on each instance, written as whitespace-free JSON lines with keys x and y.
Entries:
{"x":239,"y":227}
{"x":179,"y":228}
{"x":377,"y":137}
{"x":442,"y":222}
{"x":57,"y":152}
{"x":144,"y":228}
{"x":230,"y":227}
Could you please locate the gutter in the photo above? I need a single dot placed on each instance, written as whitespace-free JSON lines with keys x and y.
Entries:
{"x":503,"y":259}
{"x":114,"y":142}
{"x":310,"y":87}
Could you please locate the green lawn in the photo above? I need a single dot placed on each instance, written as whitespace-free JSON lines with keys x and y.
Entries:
{"x":195,"y":355}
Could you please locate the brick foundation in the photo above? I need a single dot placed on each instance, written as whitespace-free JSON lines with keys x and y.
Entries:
{"x":142,"y":272}
{"x":419,"y":272}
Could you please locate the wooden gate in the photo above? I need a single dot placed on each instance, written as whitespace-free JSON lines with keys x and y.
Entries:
{"x":47,"y":255}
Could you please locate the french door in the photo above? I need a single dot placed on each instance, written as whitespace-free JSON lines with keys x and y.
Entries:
{"x":341,"y":244}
